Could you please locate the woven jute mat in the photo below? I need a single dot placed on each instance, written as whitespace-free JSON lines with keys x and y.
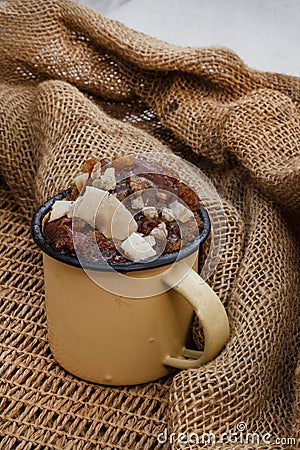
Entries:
{"x":74,"y":84}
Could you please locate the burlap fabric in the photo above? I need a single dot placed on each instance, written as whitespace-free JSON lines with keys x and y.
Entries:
{"x":75,"y":84}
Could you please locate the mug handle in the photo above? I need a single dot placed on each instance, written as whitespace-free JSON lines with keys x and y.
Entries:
{"x":212,"y":317}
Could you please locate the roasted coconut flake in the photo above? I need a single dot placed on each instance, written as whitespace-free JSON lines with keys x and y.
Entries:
{"x":168,"y":215}
{"x":114,"y":220}
{"x":160,"y":232}
{"x":182,"y":213}
{"x":150,"y":212}
{"x":137,"y":202}
{"x":106,"y":213}
{"x":60,"y":208}
{"x":108,"y":179}
{"x":137,"y":248}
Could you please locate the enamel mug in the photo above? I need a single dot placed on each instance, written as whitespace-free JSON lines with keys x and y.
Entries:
{"x":116,"y":339}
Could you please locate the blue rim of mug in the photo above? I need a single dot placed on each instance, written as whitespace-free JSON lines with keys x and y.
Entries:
{"x":169,"y":258}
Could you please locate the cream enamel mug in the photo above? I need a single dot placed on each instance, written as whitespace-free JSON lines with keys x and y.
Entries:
{"x":118,"y":340}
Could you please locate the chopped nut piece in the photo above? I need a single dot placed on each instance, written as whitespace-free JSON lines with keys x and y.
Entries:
{"x":136,"y":248}
{"x":60,"y":208}
{"x":182,"y":213}
{"x":108,"y":179}
{"x":150,"y":212}
{"x":168,"y":214}
{"x":160,"y":232}
{"x":139,"y":183}
{"x":80,"y":181}
{"x":161,"y":195}
{"x":137,"y":202}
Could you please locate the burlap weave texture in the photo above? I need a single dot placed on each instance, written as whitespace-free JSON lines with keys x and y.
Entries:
{"x":75,"y":84}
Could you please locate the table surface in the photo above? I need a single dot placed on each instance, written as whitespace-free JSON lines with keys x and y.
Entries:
{"x":264,"y":33}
